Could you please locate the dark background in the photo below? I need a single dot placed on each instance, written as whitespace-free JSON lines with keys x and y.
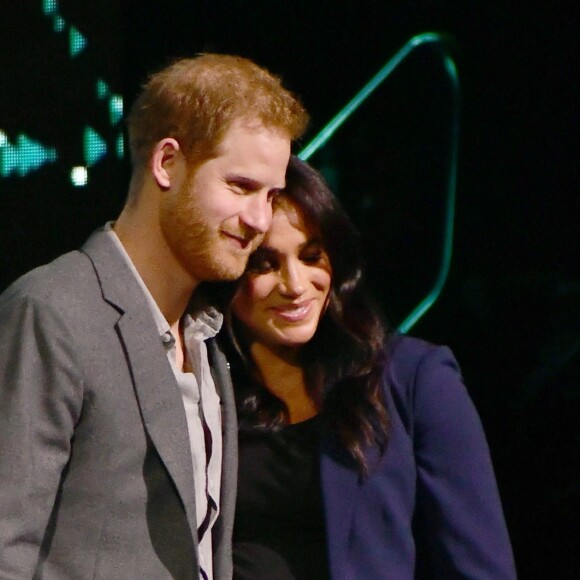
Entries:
{"x":511,"y":307}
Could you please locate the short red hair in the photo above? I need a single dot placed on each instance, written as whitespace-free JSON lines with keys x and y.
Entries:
{"x":196,"y":100}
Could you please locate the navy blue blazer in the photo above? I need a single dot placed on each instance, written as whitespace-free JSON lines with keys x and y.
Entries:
{"x":431,"y":506}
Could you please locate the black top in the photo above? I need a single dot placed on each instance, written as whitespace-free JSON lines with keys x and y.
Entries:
{"x":279,"y":532}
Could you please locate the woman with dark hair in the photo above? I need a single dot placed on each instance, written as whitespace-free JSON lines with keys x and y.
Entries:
{"x":361,"y":455}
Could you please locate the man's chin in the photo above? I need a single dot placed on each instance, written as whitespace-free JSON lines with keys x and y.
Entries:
{"x":228,"y":273}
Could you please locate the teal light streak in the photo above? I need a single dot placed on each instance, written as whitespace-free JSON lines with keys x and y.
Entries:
{"x":365,"y":92}
{"x":447,"y":249}
{"x":120,"y":146}
{"x":23,"y":157}
{"x":103,"y":90}
{"x":115,"y":108}
{"x":326,"y":133}
{"x":27,"y":155}
{"x":50,"y":7}
{"x":77,"y":42}
{"x":94,"y":146}
{"x":58,"y":23}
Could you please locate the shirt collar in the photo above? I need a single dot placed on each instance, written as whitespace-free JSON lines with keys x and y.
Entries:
{"x":203,"y":324}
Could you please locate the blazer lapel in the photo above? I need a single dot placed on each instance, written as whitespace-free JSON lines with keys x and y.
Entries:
{"x":223,"y":383}
{"x":156,"y":390}
{"x":224,"y":526}
{"x":161,"y":407}
{"x":340,"y":488}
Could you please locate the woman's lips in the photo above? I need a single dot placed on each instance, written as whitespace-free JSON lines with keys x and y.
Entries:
{"x":294,"y":312}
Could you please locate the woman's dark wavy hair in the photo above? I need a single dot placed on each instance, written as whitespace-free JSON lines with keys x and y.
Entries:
{"x":343,"y":362}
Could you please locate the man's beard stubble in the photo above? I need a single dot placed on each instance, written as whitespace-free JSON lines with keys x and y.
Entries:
{"x":195,"y":243}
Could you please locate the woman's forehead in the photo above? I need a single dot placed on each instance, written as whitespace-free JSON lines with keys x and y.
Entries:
{"x":294,"y":215}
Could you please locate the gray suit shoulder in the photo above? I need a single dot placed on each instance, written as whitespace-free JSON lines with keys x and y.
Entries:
{"x":64,"y":281}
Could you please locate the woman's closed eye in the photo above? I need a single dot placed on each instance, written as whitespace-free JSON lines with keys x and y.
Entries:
{"x":313,"y":254}
{"x":262,"y":261}
{"x":313,"y":257}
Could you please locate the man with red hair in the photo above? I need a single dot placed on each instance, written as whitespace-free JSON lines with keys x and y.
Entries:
{"x":118,"y":453}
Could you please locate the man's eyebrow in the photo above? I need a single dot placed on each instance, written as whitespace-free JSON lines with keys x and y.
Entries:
{"x":242,"y":181}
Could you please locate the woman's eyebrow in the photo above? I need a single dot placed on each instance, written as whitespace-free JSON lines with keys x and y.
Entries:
{"x":315,"y":241}
{"x":265,"y":249}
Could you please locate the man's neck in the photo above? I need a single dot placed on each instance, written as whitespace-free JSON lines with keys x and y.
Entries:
{"x":170,"y":286}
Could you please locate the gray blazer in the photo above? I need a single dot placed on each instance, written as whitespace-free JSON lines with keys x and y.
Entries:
{"x":96,"y":473}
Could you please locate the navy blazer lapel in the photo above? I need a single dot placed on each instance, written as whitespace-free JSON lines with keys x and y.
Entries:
{"x":340,"y":488}
{"x":155,"y":386}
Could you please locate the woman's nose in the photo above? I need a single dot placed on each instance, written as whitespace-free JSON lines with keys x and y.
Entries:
{"x":293,"y":282}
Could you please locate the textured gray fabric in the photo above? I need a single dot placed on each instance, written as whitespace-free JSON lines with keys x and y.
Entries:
{"x":95,"y":467}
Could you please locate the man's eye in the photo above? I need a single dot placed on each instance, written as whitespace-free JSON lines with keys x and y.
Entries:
{"x":237,"y":188}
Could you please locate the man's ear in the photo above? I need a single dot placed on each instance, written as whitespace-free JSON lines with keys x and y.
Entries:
{"x":164,"y":160}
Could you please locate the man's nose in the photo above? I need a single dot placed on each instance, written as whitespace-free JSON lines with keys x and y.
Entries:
{"x":258,"y":212}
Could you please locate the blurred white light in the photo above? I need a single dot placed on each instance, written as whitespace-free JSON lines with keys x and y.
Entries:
{"x":79,"y":176}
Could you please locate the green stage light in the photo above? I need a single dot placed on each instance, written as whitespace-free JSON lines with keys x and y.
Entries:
{"x":103,"y":90}
{"x":115,"y":108}
{"x":50,"y":7}
{"x":94,"y":146}
{"x":58,"y":24}
{"x":120,"y":148}
{"x":25,"y":156}
{"x":20,"y":154}
{"x":77,"y":42}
